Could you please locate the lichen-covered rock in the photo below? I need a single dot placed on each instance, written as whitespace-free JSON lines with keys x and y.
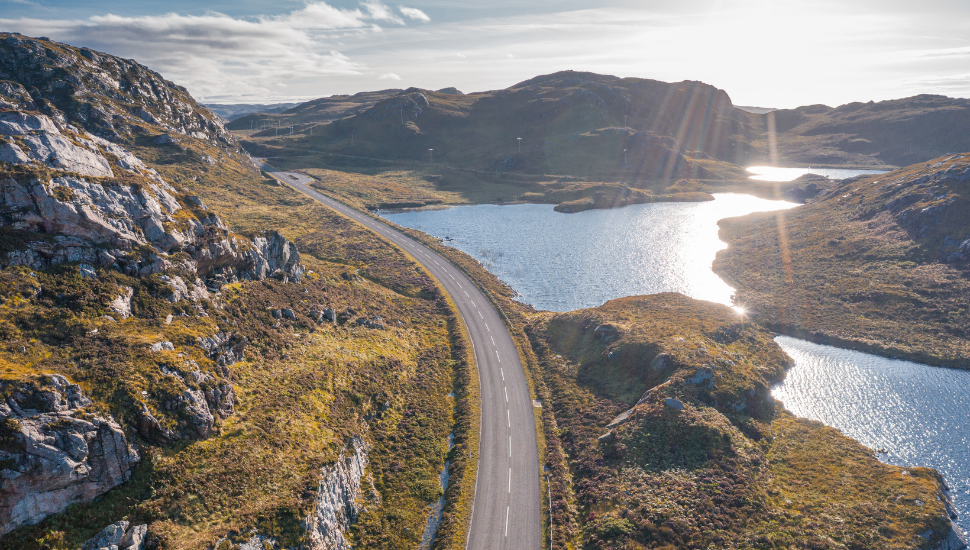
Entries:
{"x":122,"y":304}
{"x":226,"y":349}
{"x":118,"y":536}
{"x":337,"y":504}
{"x":277,"y":258}
{"x":53,"y":458}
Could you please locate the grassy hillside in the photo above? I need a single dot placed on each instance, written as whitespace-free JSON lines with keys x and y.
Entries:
{"x":662,"y":407}
{"x":570,"y":124}
{"x":263,"y":122}
{"x":394,"y":367}
{"x":879,"y":263}
{"x":896,"y":132}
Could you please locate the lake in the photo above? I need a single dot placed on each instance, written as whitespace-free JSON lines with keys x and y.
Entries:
{"x":562,"y":262}
{"x":774,"y":173}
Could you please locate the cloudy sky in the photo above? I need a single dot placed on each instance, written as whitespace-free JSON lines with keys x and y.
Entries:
{"x":770,"y":53}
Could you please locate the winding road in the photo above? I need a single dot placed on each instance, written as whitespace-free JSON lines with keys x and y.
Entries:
{"x":507,"y":509}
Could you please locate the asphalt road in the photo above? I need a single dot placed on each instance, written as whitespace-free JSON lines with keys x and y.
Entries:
{"x":507,"y":510}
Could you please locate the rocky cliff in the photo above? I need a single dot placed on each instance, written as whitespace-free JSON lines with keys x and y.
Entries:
{"x":52,"y":453}
{"x":81,"y":134}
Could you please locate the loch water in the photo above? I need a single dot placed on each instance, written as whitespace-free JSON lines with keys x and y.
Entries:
{"x":563,"y":262}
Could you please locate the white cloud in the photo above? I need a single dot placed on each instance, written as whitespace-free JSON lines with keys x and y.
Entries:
{"x":381,"y":12}
{"x":414,"y":13}
{"x":797,"y":52}
{"x":218,"y":56}
{"x":389,"y":76}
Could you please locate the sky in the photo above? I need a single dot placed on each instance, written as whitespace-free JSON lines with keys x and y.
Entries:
{"x":766,"y":53}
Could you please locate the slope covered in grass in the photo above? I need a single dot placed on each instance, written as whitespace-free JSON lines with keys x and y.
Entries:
{"x":662,"y":408}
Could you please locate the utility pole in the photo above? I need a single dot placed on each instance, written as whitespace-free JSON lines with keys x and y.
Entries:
{"x":432,"y":154}
{"x":520,"y":145}
{"x":624,"y":157}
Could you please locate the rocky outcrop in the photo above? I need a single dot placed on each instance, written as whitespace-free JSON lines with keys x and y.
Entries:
{"x":71,"y":85}
{"x":53,"y":457}
{"x":225,"y":349}
{"x":338,"y":499}
{"x":118,"y":536}
{"x":277,"y":257}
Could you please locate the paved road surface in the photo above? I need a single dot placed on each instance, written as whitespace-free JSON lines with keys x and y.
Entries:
{"x":507,"y":512}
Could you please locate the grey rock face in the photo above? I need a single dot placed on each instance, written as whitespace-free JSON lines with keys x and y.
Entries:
{"x":13,"y":154}
{"x":20,"y":123}
{"x":338,"y":494}
{"x":118,"y":536}
{"x":196,"y":408}
{"x":55,"y":458}
{"x":59,"y":152}
{"x":277,"y":258}
{"x":225,"y":349}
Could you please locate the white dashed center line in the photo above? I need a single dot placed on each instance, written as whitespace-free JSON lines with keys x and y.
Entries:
{"x":486,"y":327}
{"x":501,"y":370}
{"x":510,"y":480}
{"x":480,"y":315}
{"x":510,"y":446}
{"x":506,"y":394}
{"x":509,"y":416}
{"x":497,"y":357}
{"x":493,"y":339}
{"x":466,"y":293}
{"x":507,"y":520}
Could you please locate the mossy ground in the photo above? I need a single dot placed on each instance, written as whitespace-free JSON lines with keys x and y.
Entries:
{"x":302,"y":392}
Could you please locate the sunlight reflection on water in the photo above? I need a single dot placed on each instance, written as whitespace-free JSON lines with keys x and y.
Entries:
{"x":915,"y":412}
{"x":772,"y":173}
{"x":561,"y":262}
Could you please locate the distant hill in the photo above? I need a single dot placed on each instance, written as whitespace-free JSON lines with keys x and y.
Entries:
{"x":231,"y":112}
{"x":897,"y":132}
{"x":756,"y":110}
{"x":569,"y":123}
{"x":317,"y":111}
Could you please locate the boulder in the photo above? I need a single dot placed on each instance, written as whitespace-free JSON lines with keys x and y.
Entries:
{"x":118,"y":536}
{"x":111,"y":535}
{"x":163,"y":346}
{"x":675,"y":404}
{"x":54,"y":458}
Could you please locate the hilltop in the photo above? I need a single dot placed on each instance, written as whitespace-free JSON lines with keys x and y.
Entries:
{"x":310,"y":113}
{"x":668,"y":436}
{"x":880,"y":263}
{"x":897,"y":132}
{"x":191,"y":355}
